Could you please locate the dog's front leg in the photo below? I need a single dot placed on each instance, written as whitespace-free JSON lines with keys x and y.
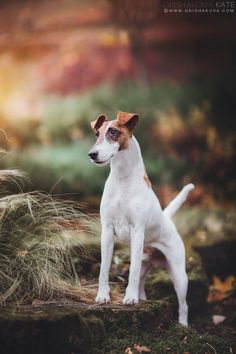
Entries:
{"x":107,"y":245}
{"x":132,"y":290}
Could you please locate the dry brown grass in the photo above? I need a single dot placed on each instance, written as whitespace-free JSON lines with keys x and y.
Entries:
{"x":40,"y":241}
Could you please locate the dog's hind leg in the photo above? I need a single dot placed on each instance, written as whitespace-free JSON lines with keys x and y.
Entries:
{"x":174,"y":253}
{"x":177,"y":271}
{"x":180,"y":281}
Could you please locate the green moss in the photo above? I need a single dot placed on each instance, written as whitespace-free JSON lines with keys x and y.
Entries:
{"x":76,"y":328}
{"x":176,"y":339}
{"x":102,"y":329}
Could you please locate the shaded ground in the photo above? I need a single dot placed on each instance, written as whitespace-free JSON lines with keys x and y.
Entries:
{"x":75,"y":328}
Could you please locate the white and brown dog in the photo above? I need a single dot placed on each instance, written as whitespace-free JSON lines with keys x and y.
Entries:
{"x":131,"y":212}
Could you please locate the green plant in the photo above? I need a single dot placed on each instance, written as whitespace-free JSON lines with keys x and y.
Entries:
{"x":180,"y":134}
{"x":60,"y":168}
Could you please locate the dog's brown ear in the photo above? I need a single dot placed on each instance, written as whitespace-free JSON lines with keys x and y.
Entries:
{"x":130,"y":120}
{"x":97,"y":123}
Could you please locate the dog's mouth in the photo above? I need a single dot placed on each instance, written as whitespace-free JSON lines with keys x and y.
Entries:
{"x":104,"y":162}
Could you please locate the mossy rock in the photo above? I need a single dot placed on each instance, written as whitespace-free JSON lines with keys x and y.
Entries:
{"x":75,"y":328}
{"x":108,"y":329}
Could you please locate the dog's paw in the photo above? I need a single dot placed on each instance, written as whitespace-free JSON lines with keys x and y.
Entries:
{"x":103,"y":297}
{"x":130,"y":299}
{"x":183,"y":320}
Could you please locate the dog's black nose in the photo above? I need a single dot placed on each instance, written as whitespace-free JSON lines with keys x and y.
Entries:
{"x":93,"y":155}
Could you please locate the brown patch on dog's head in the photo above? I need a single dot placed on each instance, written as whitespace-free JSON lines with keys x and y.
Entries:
{"x":120,"y":130}
{"x":98,"y":122}
{"x":129,"y":120}
{"x":119,"y":133}
{"x":99,"y":126}
{"x":125,"y":124}
{"x":100,"y":133}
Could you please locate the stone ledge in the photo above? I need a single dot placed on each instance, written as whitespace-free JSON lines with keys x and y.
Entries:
{"x":77,"y":328}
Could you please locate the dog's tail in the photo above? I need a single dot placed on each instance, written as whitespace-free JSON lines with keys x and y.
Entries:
{"x":176,"y":203}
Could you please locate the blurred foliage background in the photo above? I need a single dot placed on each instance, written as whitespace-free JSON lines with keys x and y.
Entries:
{"x":64,"y":62}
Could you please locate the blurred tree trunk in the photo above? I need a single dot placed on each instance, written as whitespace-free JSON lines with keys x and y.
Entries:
{"x":137,"y":45}
{"x":135,"y":17}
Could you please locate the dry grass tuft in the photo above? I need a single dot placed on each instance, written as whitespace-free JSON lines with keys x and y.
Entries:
{"x":37,"y":247}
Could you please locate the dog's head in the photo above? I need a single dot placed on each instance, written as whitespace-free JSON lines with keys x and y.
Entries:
{"x":112,"y":136}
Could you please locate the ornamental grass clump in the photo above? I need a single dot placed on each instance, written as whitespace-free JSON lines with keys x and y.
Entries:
{"x":38,"y":246}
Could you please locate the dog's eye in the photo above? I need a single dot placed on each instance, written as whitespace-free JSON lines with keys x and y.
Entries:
{"x":97,"y":133}
{"x":114,"y":132}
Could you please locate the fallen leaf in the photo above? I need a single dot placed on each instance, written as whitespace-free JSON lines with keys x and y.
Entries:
{"x":141,"y":349}
{"x":219,"y":290}
{"x":225,"y":285}
{"x":128,"y":351}
{"x":217,"y":319}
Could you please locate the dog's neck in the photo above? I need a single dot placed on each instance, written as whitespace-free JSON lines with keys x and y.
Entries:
{"x":128,"y":163}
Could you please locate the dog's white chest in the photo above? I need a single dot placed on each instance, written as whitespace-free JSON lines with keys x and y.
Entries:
{"x":122,"y":226}
{"x":117,"y":213}
{"x":121,"y":221}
